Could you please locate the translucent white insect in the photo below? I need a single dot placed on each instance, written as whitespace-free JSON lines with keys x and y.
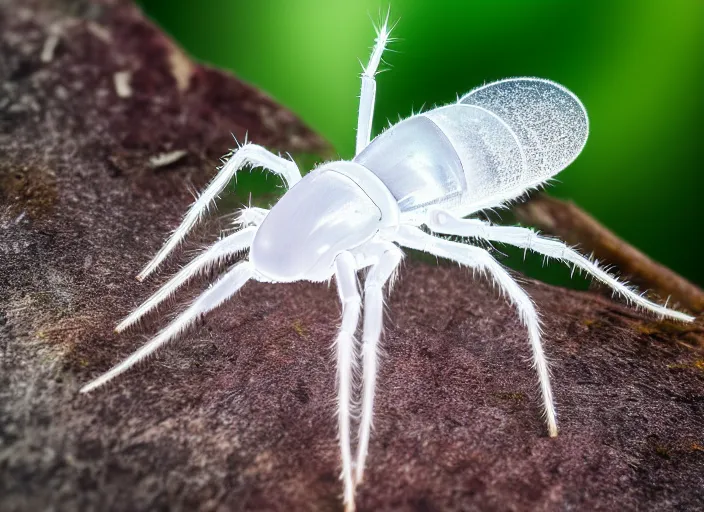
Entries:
{"x":431,"y":170}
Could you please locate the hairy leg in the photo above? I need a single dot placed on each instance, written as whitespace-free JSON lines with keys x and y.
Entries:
{"x":218,"y":293}
{"x":478,"y":258}
{"x":346,"y":277}
{"x":368,"y":93}
{"x":249,"y":154}
{"x":388,"y":257}
{"x":444,"y":222}
{"x":213,"y":256}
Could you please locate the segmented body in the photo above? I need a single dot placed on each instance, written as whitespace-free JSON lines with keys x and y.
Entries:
{"x":491,"y":146}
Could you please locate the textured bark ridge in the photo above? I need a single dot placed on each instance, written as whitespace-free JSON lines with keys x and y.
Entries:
{"x":104,"y":125}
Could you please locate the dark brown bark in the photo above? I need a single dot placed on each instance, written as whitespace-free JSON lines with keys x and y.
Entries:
{"x":238,"y":415}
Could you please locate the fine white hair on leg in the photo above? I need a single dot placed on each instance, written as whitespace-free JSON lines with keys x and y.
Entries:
{"x":525,"y":238}
{"x":228,"y":246}
{"x":346,"y":277}
{"x":250,"y":216}
{"x":218,"y":293}
{"x":389,"y":256}
{"x":368,"y":93}
{"x":479,"y":258}
{"x":248,"y":154}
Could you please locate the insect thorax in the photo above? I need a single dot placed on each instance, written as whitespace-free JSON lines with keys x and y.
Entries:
{"x":334,"y":208}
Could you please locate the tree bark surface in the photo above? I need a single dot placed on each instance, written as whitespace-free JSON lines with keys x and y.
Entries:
{"x":239,"y":413}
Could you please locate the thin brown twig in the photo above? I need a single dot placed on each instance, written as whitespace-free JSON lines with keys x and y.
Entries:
{"x":567,"y":221}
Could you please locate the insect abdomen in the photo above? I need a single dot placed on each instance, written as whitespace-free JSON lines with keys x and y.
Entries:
{"x":417,"y":162}
{"x":494,"y":144}
{"x":445,"y":157}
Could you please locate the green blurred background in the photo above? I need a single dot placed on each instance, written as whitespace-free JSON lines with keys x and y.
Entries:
{"x":638,"y":66}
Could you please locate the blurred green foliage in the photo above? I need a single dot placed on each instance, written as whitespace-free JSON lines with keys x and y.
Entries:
{"x":638,"y":66}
